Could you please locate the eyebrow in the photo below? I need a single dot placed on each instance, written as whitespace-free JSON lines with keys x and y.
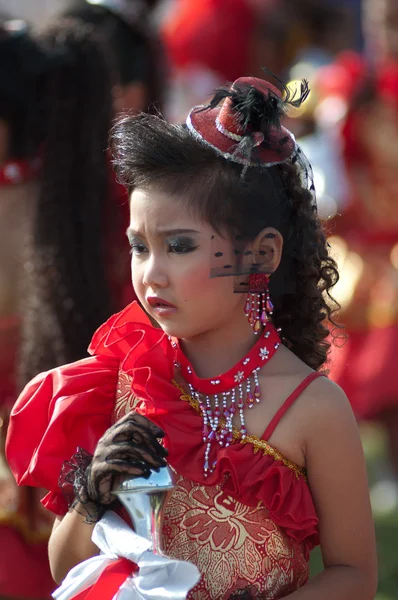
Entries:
{"x":164,"y":232}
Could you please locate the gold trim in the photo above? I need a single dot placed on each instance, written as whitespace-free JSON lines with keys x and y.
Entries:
{"x":257,"y":443}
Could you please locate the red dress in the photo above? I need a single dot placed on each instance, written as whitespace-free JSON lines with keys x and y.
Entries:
{"x":363,"y":367}
{"x":251,"y":523}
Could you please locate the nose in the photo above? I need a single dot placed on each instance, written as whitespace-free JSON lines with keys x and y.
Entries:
{"x":155,"y":274}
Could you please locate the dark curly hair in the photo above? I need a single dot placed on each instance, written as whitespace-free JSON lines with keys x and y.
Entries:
{"x":66,"y":291}
{"x":148,"y":151}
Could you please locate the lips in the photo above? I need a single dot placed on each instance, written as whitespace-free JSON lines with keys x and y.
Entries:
{"x":159,"y":302}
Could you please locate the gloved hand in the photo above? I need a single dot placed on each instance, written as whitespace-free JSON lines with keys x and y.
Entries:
{"x":129,"y":447}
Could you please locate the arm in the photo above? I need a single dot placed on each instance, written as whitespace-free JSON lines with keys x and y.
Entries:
{"x":338,"y":482}
{"x":70,"y":543}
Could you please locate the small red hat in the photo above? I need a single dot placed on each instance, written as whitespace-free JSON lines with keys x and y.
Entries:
{"x":246,"y":127}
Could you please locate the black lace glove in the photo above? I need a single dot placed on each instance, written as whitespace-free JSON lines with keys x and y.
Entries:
{"x":129,"y":447}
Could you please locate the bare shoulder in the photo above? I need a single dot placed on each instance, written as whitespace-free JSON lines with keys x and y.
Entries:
{"x":326,"y":416}
{"x":326,"y":398}
{"x":323,"y":398}
{"x":321,"y":405}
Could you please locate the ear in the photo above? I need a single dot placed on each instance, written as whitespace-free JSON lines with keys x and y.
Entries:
{"x":267,"y":249}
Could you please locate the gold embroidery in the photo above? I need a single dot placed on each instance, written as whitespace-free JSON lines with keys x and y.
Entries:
{"x":125,"y":400}
{"x":234,"y":546}
{"x":256,"y":442}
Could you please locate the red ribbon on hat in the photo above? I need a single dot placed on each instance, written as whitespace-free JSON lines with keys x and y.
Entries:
{"x":109,"y":581}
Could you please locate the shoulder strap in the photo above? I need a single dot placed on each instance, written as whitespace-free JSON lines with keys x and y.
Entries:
{"x":288,"y":402}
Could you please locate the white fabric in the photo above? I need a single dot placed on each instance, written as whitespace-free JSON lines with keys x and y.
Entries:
{"x":158,"y":577}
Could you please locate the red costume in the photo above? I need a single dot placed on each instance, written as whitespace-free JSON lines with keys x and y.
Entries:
{"x":369,"y":226}
{"x":249,"y":523}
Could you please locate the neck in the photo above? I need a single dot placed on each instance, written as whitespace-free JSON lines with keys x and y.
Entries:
{"x":215,"y":352}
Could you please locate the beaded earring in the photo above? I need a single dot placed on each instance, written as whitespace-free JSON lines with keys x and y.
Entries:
{"x":258,"y":305}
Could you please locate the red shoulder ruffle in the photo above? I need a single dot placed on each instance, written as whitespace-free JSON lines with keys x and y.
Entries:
{"x":59,"y":410}
{"x":146,"y":354}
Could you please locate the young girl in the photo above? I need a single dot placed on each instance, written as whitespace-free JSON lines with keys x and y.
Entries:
{"x":266,"y":453}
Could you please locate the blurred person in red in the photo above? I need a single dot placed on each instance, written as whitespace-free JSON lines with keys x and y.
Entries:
{"x":367,"y":240}
{"x":60,"y":216}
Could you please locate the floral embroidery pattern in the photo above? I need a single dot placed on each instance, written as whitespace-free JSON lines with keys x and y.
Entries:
{"x":126,"y":401}
{"x":233,"y":545}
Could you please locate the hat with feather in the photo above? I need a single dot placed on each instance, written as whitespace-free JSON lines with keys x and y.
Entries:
{"x":242,"y":123}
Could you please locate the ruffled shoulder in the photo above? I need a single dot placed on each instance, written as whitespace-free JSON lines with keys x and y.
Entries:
{"x":57,"y":411}
{"x":130,"y":337}
{"x":72,"y":405}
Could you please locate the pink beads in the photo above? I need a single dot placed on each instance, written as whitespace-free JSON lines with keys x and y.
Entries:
{"x":249,"y":399}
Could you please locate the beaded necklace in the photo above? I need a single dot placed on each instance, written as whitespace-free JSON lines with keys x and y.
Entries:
{"x":233,"y":391}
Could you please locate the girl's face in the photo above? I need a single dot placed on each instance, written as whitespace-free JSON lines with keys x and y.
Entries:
{"x":171,"y":254}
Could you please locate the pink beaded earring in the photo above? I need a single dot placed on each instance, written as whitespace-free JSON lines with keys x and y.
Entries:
{"x":258,"y":305}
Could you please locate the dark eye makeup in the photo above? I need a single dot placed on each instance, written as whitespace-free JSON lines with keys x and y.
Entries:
{"x":137,"y":245}
{"x":175,"y":244}
{"x":181,"y":244}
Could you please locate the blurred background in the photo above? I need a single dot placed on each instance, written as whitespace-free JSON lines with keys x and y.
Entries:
{"x":67,"y":69}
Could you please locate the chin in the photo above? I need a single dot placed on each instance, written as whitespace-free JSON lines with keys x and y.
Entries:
{"x":178,"y":331}
{"x":173,"y":330}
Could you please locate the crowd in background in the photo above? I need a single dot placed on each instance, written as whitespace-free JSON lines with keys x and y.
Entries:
{"x":64,"y":265}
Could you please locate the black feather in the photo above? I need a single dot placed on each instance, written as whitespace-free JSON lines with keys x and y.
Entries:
{"x":290,"y":99}
{"x":220,"y":94}
{"x":255,"y":110}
